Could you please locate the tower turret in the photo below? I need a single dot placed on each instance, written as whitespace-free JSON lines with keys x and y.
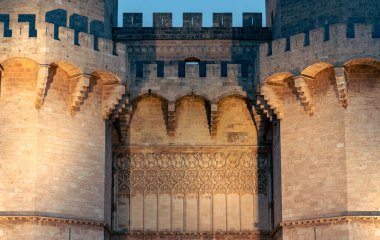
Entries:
{"x":61,"y":80}
{"x":288,"y":17}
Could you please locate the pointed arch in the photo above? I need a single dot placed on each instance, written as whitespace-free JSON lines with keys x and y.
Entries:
{"x":71,"y":70}
{"x":363,"y":61}
{"x":313,"y":70}
{"x":138,"y":98}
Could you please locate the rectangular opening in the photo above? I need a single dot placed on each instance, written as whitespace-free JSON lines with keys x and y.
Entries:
{"x":160,"y":69}
{"x":224,"y":69}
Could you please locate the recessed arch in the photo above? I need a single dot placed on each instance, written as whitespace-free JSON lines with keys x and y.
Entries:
{"x":108,"y":78}
{"x":313,"y":70}
{"x":278,"y":79}
{"x":193,"y":93}
{"x":9,"y":61}
{"x":146,"y":95}
{"x":232,"y":94}
{"x":180,"y":98}
{"x":68,"y":67}
{"x":363,"y":61}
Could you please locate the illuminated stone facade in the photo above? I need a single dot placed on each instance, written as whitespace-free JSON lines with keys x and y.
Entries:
{"x":188,"y":132}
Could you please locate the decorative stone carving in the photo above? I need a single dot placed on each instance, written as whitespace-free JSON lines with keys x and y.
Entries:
{"x":185,"y":172}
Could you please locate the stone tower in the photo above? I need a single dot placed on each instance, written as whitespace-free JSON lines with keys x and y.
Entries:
{"x":60,"y":81}
{"x":289,"y":17}
{"x":321,"y":79}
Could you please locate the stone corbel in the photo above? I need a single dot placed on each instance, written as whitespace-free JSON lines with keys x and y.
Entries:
{"x":274,"y":102}
{"x":121,"y":106}
{"x":171,"y":118}
{"x":304,"y":93}
{"x":112,"y":94}
{"x":80,"y":88}
{"x":264,"y":107}
{"x":41,"y":82}
{"x":213,"y":118}
{"x":341,"y":83}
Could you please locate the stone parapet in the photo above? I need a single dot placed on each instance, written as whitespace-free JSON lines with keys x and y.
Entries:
{"x":334,"y":44}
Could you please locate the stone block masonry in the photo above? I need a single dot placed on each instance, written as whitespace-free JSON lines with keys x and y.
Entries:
{"x":57,"y":90}
{"x":189,"y":132}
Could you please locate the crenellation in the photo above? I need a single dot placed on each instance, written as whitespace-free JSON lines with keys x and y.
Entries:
{"x":105,"y":46}
{"x":20,"y":30}
{"x":192,"y":20}
{"x":317,"y":37}
{"x":234,"y":70}
{"x":150,"y":71}
{"x":192,"y":71}
{"x":66,"y":35}
{"x":252,"y":20}
{"x":31,"y":20}
{"x":134,"y":20}
{"x":47,"y":30}
{"x":222,"y":20}
{"x":363,"y":32}
{"x":318,"y":49}
{"x":297,"y":41}
{"x":278,"y":46}
{"x":121,"y":51}
{"x":213,"y":70}
{"x":170,"y":70}
{"x":162,"y":20}
{"x":86,"y":40}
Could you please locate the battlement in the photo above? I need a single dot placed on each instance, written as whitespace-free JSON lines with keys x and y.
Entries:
{"x":192,"y":27}
{"x":79,"y":32}
{"x":192,"y":20}
{"x":179,"y":69}
{"x":334,"y":44}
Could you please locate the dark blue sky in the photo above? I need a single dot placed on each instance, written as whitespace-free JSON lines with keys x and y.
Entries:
{"x":177,"y":7}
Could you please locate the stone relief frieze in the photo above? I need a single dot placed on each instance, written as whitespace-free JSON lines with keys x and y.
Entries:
{"x":172,"y":171}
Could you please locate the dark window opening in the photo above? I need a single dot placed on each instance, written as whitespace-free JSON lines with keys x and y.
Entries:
{"x":160,"y":69}
{"x":224,"y":69}
{"x":139,"y":69}
{"x":181,"y":69}
{"x":202,"y":69}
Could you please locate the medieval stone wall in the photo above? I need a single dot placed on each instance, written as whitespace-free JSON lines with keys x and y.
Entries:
{"x":324,"y":95}
{"x":56,"y":97}
{"x":296,"y":16}
{"x":191,"y":182}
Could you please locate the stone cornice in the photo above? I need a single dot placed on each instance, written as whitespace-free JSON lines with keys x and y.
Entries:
{"x":53,"y":220}
{"x":327,"y":220}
